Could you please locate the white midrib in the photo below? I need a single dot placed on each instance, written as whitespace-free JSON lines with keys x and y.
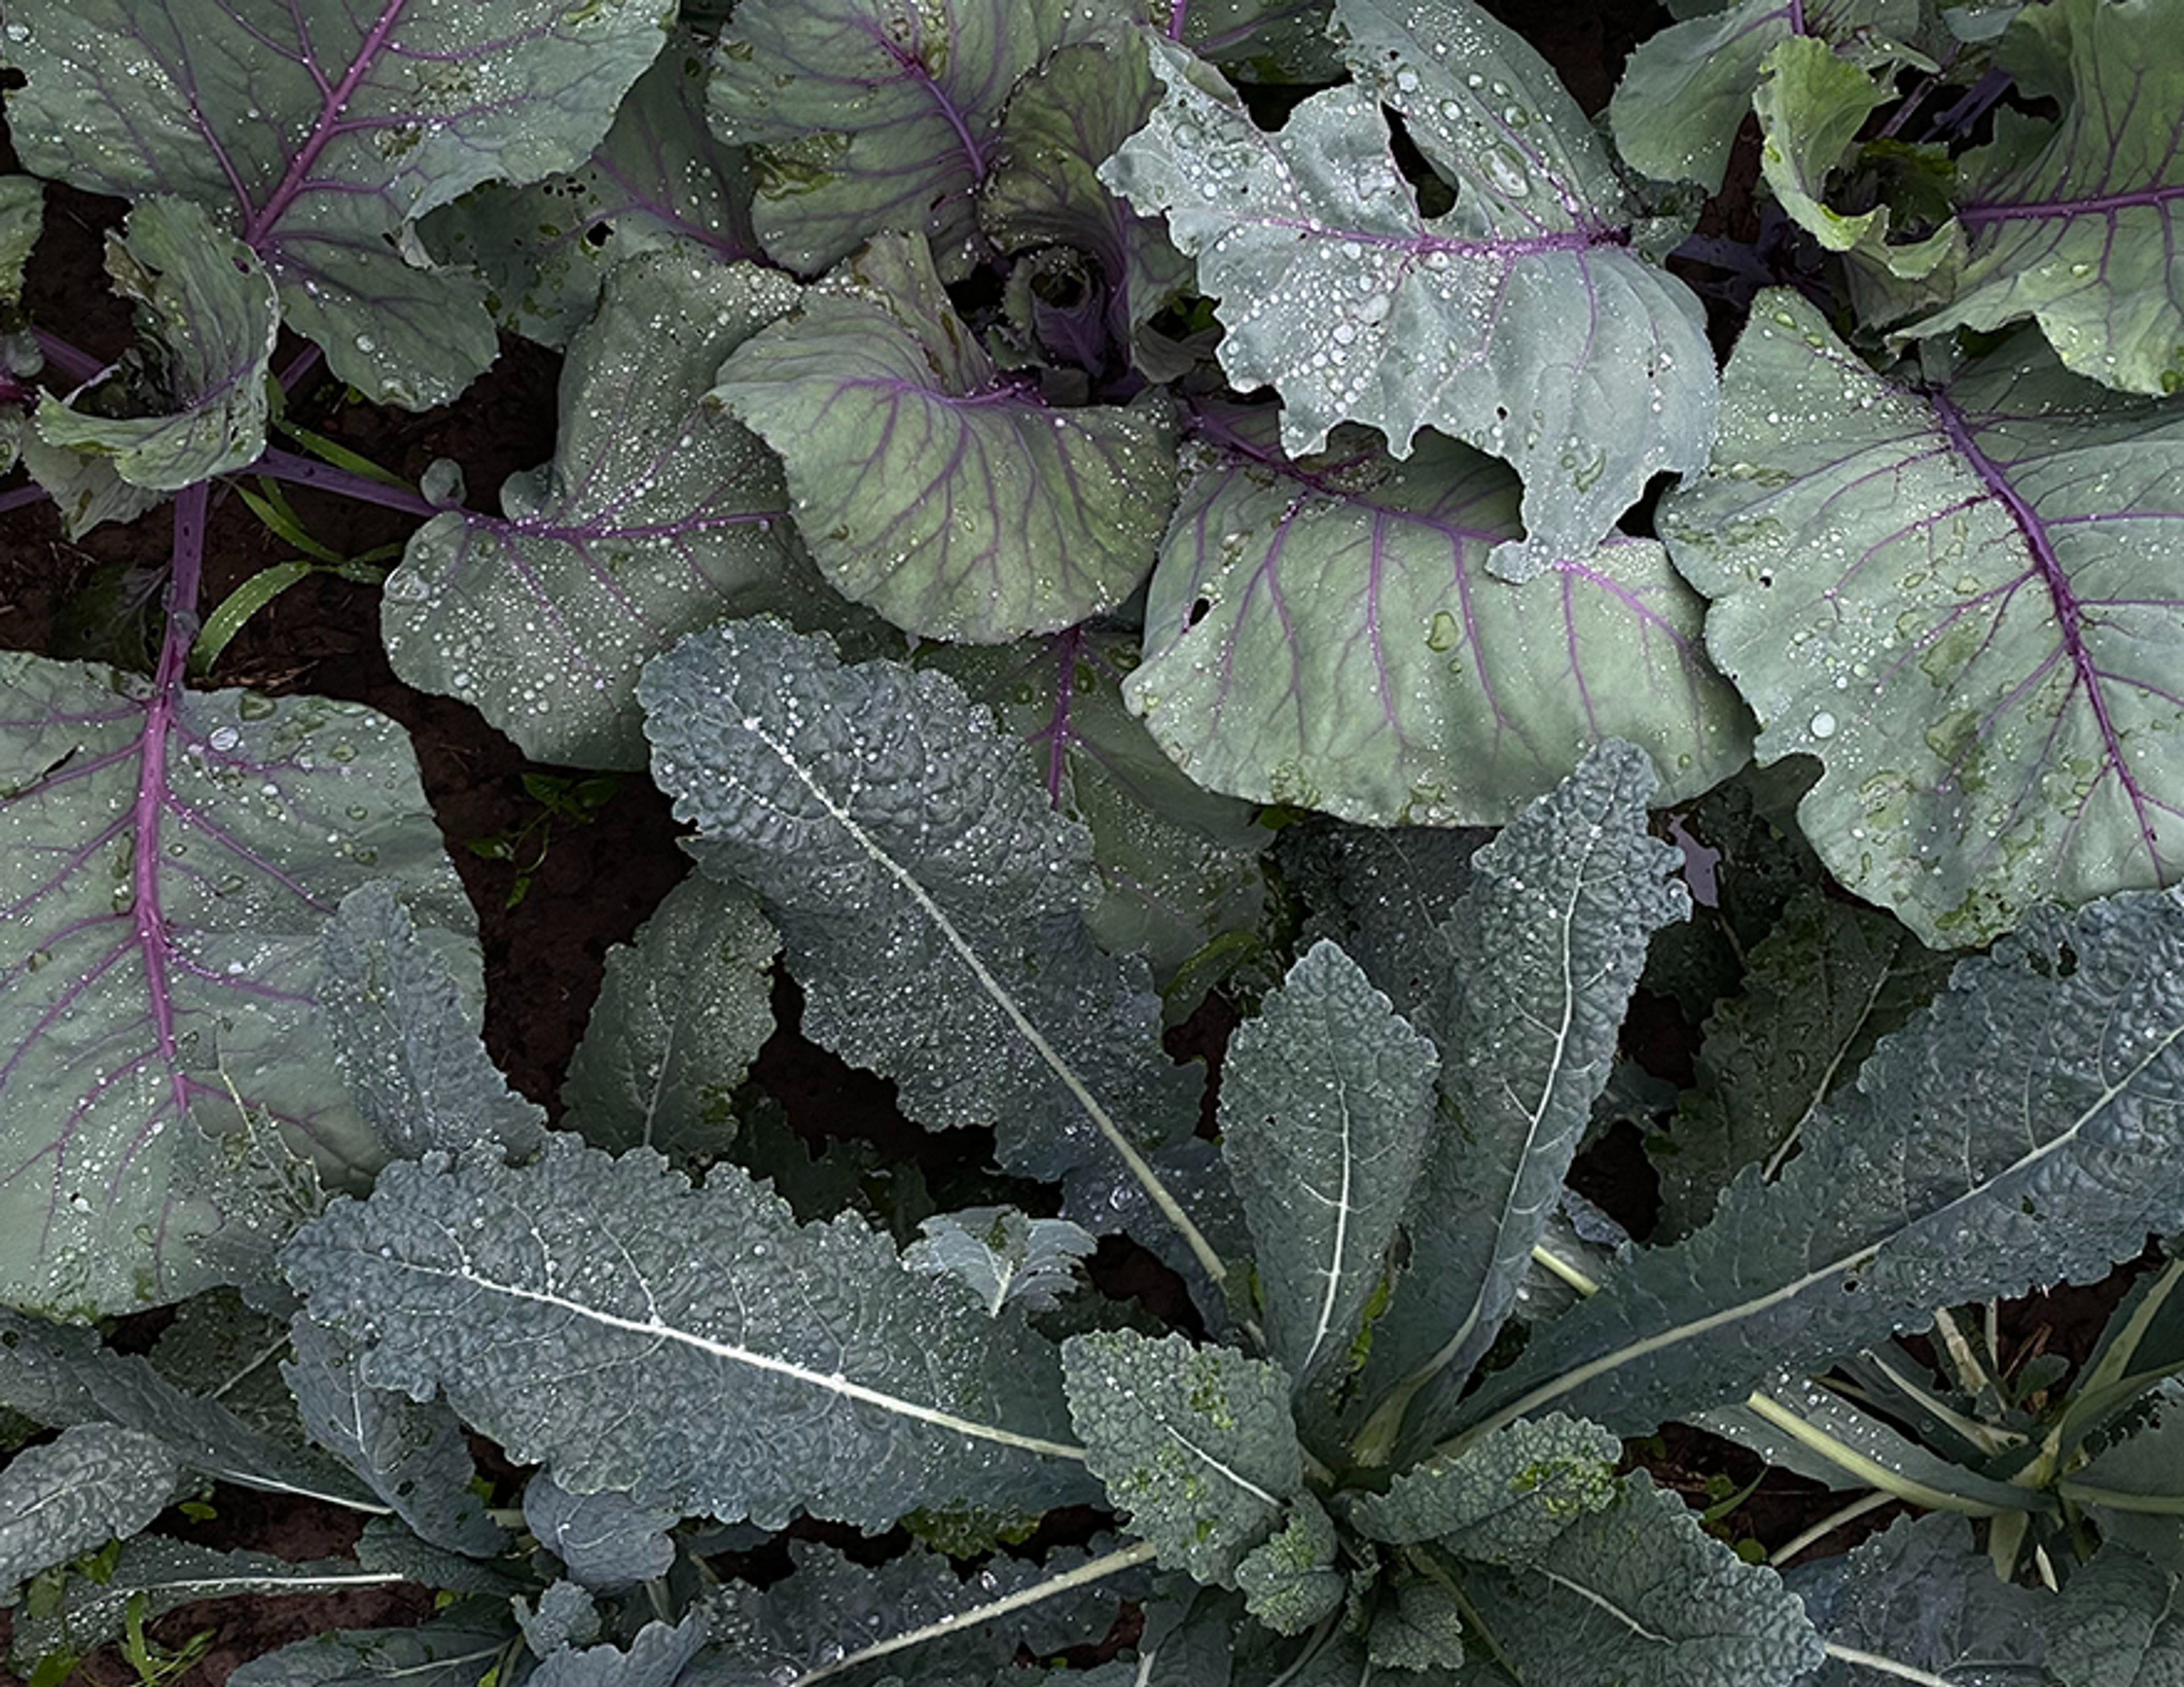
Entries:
{"x":1608,"y":1605}
{"x":1237,"y":1477}
{"x":1335,"y":1270}
{"x":1202,"y":1250}
{"x":1575,"y":1379}
{"x":829,"y":1382}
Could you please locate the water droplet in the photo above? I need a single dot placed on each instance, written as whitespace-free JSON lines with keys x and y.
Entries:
{"x":1822,"y":725}
{"x":224,"y":737}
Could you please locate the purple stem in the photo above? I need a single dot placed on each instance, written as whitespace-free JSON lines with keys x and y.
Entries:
{"x":72,"y":365}
{"x":1177,"y":12}
{"x":150,"y":924}
{"x":300,"y":369}
{"x":20,"y":497}
{"x":288,"y":465}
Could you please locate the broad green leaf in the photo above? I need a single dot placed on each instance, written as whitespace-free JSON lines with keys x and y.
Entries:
{"x":1502,"y":1501}
{"x":411,"y":1452}
{"x":1541,"y":958}
{"x":566,"y":1614}
{"x":1295,"y":1577}
{"x":872,"y":116}
{"x":1106,"y":1198}
{"x":1638,"y":1595}
{"x":217,"y":1344}
{"x":1002,"y":1257}
{"x":909,"y":857}
{"x":1686,"y":91}
{"x":97,"y":1483}
{"x":947,"y":496}
{"x":1918,"y":1597}
{"x":2148,"y":1465}
{"x":660,"y":181}
{"x":168,"y":858}
{"x":1819,"y":991}
{"x":454,"y":1650}
{"x":314,"y":132}
{"x":680,"y":1016}
{"x":2119,"y":1623}
{"x":1065,"y":120}
{"x":1258,"y":40}
{"x":656,"y":1656}
{"x":1811,"y":105}
{"x":1980,"y":660}
{"x":22,"y":216}
{"x":156,"y":1575}
{"x":2044,"y":1084}
{"x":1327,"y":1102}
{"x":2074,"y":222}
{"x":604,"y":1542}
{"x":656,"y":517}
{"x":204,"y":298}
{"x":86,"y":491}
{"x":1195,"y":1443}
{"x":63,"y":1377}
{"x":1341,"y":294}
{"x":1179,"y":866}
{"x":1442,"y":694}
{"x":693,"y":1348}
{"x":405,"y":1036}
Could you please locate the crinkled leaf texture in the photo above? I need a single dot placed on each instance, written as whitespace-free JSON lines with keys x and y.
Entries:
{"x":2044,"y":1087}
{"x":656,"y":517}
{"x":1327,"y":1102}
{"x":1002,"y":1257}
{"x":1538,"y":964}
{"x":314,"y":131}
{"x":1325,"y":632}
{"x":2075,"y":222}
{"x":454,"y":1650}
{"x":693,"y":1348}
{"x":1502,"y":1501}
{"x":1984,"y":660}
{"x":97,"y":1483}
{"x":872,"y":115}
{"x":168,"y":860}
{"x":411,"y":1452}
{"x":405,"y":1037}
{"x":947,"y":496}
{"x":198,"y":409}
{"x":681,"y":1014}
{"x":603,"y":1541}
{"x":1339,"y":293}
{"x":910,"y":858}
{"x":1919,"y":1596}
{"x":1639,"y":1596}
{"x":564,"y":1615}
{"x":1195,"y":1445}
{"x":661,"y":180}
{"x":2118,"y":1623}
{"x":656,"y":1656}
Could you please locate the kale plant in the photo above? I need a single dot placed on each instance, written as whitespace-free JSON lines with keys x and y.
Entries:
{"x":1079,"y":506}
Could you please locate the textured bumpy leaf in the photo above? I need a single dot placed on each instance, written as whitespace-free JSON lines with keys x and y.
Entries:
{"x":1982,"y":660}
{"x":205,"y":298}
{"x":1002,"y":1257}
{"x":2118,"y":1623}
{"x":2044,"y":1087}
{"x":1541,"y":957}
{"x":680,"y":1016}
{"x":22,"y":216}
{"x":1179,"y":866}
{"x":1343,"y":296}
{"x":950,"y":497}
{"x":97,"y":1483}
{"x":1294,"y":1578}
{"x":1327,"y":1100}
{"x":1195,"y":1443}
{"x":1065,"y":120}
{"x":2075,"y":222}
{"x":1918,"y":1596}
{"x":412,"y":1453}
{"x":168,"y":858}
{"x":654,"y":518}
{"x":909,"y":858}
{"x":1827,"y":983}
{"x":564,"y":1615}
{"x":1687,"y":91}
{"x":314,"y":130}
{"x":656,"y":1656}
{"x":451,"y":1650}
{"x":604,"y":1542}
{"x":63,"y":1377}
{"x":1503,"y":1500}
{"x":661,"y":180}
{"x":406,"y":1039}
{"x":1326,"y":633}
{"x":156,"y":1575}
{"x":693,"y":1348}
{"x":873,"y":115}
{"x":1639,"y":1596}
